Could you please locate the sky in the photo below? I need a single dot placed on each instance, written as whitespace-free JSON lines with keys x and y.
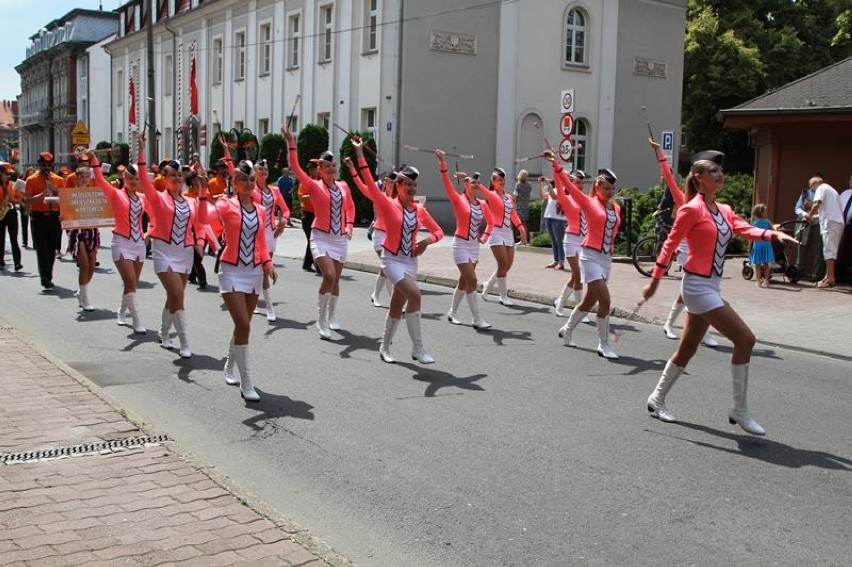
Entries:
{"x":24,"y":18}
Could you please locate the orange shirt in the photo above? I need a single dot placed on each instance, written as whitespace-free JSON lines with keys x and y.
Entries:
{"x":37,"y":183}
{"x":8,"y":192}
{"x":160,"y":183}
{"x":71,"y":180}
{"x":217,"y":187}
{"x":307,"y":206}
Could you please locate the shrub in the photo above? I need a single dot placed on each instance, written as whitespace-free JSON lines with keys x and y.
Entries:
{"x":273,"y":148}
{"x":312,"y":141}
{"x":534,"y":217}
{"x":540,"y":240}
{"x":363,"y":206}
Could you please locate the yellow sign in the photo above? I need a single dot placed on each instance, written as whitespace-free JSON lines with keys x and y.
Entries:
{"x":80,"y":135}
{"x":84,"y":207}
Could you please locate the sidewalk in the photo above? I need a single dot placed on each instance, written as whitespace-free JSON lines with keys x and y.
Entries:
{"x":125,"y":497}
{"x":798,"y":317}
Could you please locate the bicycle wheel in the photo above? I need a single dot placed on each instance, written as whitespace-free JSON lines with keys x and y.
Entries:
{"x":645,"y":255}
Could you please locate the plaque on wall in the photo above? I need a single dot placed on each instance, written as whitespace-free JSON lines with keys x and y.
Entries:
{"x":649,"y":67}
{"x":453,"y":42}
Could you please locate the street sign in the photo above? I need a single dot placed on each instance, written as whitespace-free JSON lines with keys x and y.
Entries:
{"x":80,"y":135}
{"x":566,"y":124}
{"x":79,"y":151}
{"x":667,"y":145}
{"x":566,"y":101}
{"x":566,"y":150}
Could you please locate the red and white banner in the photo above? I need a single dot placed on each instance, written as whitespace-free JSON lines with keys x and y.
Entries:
{"x":131,"y":113}
{"x":193,"y":85}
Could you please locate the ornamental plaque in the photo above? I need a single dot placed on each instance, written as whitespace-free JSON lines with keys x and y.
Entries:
{"x":453,"y":42}
{"x":649,"y":67}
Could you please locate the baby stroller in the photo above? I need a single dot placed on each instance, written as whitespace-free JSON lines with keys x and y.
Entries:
{"x":785,"y":256}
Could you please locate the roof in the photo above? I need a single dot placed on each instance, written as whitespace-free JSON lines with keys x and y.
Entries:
{"x":826,"y":90}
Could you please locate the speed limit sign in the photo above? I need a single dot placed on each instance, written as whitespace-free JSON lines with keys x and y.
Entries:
{"x":566,"y":101}
{"x":566,"y":150}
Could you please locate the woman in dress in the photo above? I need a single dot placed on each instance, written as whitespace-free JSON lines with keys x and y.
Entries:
{"x":334,"y":217}
{"x":603,"y":217}
{"x":471,"y":213}
{"x":501,"y":241}
{"x":572,"y":240}
{"x":378,"y":226}
{"x":762,"y":255}
{"x":403,"y":220}
{"x":244,"y":265}
{"x":277,"y":217}
{"x":708,"y":227}
{"x":178,"y":229}
{"x":128,"y":237}
{"x":83,"y":244}
{"x":522,"y":194}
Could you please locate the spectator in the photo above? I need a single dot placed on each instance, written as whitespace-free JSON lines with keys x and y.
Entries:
{"x":555,"y":222}
{"x":522,"y":193}
{"x":844,"y":253}
{"x":285,"y":186}
{"x":804,"y":203}
{"x":826,"y":206}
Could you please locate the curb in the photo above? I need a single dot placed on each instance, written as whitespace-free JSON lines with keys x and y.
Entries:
{"x":294,"y":531}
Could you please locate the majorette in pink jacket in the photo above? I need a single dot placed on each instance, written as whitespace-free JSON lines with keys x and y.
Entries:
{"x":378,"y":220}
{"x":161,"y":207}
{"x":595,"y":212}
{"x":694,"y":221}
{"x":461,"y":208}
{"x":391,"y":210}
{"x":321,"y":198}
{"x":120,"y":204}
{"x":576,"y":220}
{"x":231,"y":215}
{"x":278,"y":200}
{"x":498,"y":209}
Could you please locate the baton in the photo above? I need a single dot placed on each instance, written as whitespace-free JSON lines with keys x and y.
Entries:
{"x":427,"y":150}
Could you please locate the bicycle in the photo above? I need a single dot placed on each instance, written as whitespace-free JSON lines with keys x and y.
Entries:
{"x":647,"y":249}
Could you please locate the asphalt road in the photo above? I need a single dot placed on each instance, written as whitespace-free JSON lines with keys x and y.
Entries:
{"x":510,"y":450}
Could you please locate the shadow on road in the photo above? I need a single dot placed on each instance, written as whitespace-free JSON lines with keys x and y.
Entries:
{"x":197,"y":362}
{"x":270,"y":408}
{"x":438,"y":379}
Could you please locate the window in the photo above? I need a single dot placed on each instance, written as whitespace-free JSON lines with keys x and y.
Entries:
{"x":325,"y":33}
{"x":262,"y":127}
{"x":172,"y":8}
{"x":368,"y":120}
{"x":580,"y":138}
{"x":137,"y":17}
{"x":265,"y":49}
{"x":575,"y":38}
{"x":294,"y":31}
{"x":293,"y":121}
{"x":240,"y":63}
{"x":119,"y":137}
{"x":324,"y":120}
{"x":120,"y":87}
{"x":371,"y":21}
{"x":168,"y":75}
{"x":218,"y":60}
{"x":239,"y":125}
{"x":168,"y":142}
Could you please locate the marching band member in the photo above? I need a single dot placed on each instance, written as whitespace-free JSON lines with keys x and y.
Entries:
{"x":470,"y":214}
{"x":403,"y":220}
{"x":502,"y":240}
{"x":9,"y":197}
{"x":331,"y":230}
{"x":603,"y":217}
{"x":245,"y":263}
{"x":575,"y":232}
{"x":178,"y":228}
{"x":277,"y":217}
{"x":40,"y":195}
{"x":708,"y":227}
{"x":128,"y":237}
{"x":83,"y":244}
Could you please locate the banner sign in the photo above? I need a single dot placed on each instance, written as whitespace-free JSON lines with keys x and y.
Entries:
{"x":84,"y":207}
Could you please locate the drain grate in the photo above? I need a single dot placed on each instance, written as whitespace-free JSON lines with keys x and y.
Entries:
{"x":84,"y":449}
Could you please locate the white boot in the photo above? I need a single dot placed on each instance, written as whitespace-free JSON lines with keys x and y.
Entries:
{"x":333,"y":323}
{"x":504,"y":294}
{"x":165,"y":329}
{"x":247,"y":391}
{"x":270,"y":308}
{"x":559,"y":302}
{"x":418,"y":351}
{"x":740,"y":414}
{"x":322,"y":315}
{"x":486,"y":287}
{"x":604,"y":349}
{"x":377,"y":290}
{"x":578,"y":298}
{"x":83,"y":298}
{"x":121,"y":318}
{"x":230,"y":378}
{"x":479,"y":323}
{"x":183,"y":333}
{"x":387,"y":339}
{"x":566,"y":330}
{"x":138,"y":327}
{"x":668,"y":328}
{"x":657,"y":399}
{"x":709,"y":340}
{"x":454,"y":308}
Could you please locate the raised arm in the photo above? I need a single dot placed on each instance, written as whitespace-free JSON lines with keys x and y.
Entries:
{"x":227,"y":156}
{"x":668,"y":176}
{"x":449,"y":188}
{"x":100,"y":181}
{"x":293,"y":156}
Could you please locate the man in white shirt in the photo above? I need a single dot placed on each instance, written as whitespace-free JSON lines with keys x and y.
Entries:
{"x":827,"y":207}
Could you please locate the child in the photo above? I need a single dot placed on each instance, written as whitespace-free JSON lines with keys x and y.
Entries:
{"x":762,"y":256}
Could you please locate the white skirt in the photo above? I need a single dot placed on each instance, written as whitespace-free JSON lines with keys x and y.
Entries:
{"x":594,"y":265}
{"x":271,"y":241}
{"x":501,"y":237}
{"x":465,"y":251}
{"x":572,"y":244}
{"x":379,"y":239}
{"x":397,"y":266}
{"x":701,"y":294}
{"x":240,"y":278}
{"x":176,"y":257}
{"x":335,"y":246}
{"x":126,"y":249}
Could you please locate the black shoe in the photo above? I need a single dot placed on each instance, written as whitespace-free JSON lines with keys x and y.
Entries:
{"x":47,"y":285}
{"x":309,"y":269}
{"x":193,"y":280}
{"x":19,"y":267}
{"x":202,"y":285}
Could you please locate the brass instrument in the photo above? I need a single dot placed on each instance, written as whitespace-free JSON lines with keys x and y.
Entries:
{"x":7,"y":202}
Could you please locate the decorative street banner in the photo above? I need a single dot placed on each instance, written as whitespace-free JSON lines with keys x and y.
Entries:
{"x":84,"y":207}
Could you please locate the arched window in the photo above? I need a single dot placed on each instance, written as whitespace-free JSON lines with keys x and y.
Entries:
{"x":575,"y":37}
{"x":581,"y":138}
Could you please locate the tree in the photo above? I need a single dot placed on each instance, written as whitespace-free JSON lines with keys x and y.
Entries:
{"x":216,"y":149}
{"x":363,"y":206}
{"x":312,"y":141}
{"x":273,"y":148}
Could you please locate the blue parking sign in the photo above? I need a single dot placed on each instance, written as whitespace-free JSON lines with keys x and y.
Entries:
{"x":667,"y":142}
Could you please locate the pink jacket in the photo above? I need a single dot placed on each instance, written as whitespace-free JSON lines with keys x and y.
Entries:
{"x":120,"y":205}
{"x":595,"y":213}
{"x":161,"y":207}
{"x":695,"y":223}
{"x":668,"y":176}
{"x":321,"y":199}
{"x":231,"y":215}
{"x":461,"y":209}
{"x":379,"y":220}
{"x":279,"y":203}
{"x":498,"y":210}
{"x":576,"y":220}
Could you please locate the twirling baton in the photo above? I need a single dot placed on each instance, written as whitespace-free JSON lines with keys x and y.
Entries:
{"x":293,"y":110}
{"x":427,"y":150}
{"x":365,"y":146}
